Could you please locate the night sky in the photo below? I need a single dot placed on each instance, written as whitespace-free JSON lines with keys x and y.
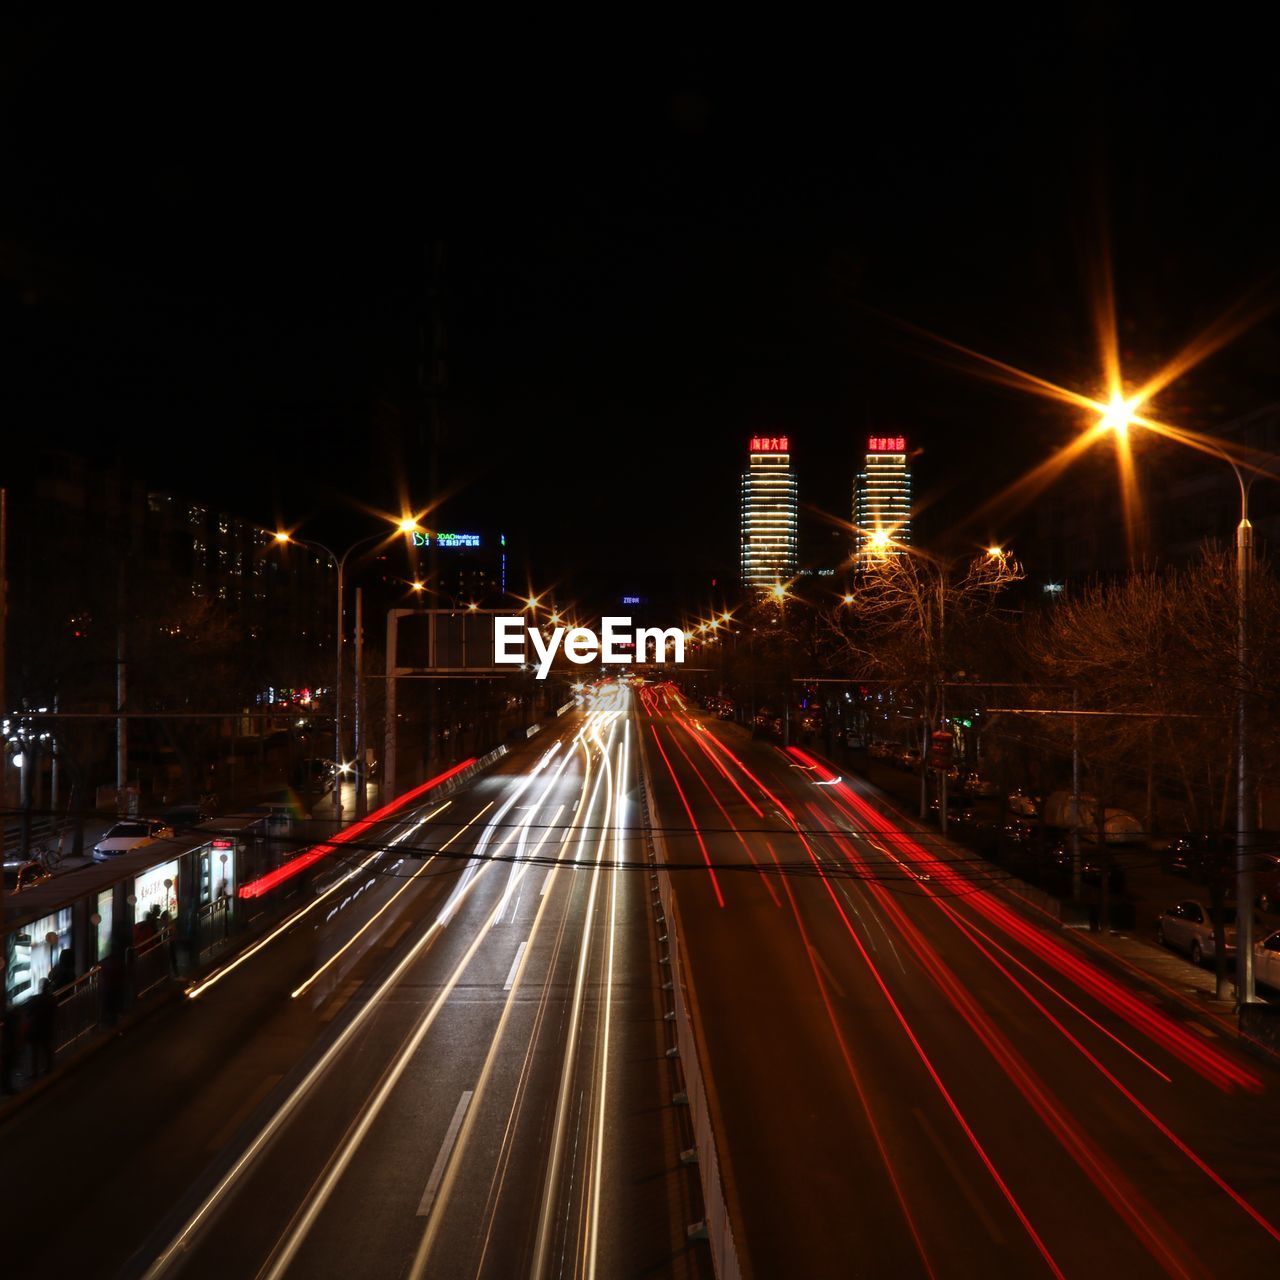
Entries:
{"x":216,"y":255}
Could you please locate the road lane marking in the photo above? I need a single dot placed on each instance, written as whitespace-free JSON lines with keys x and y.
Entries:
{"x":185,"y":1238}
{"x":373,"y":919}
{"x":227,"y":1131}
{"x":339,"y":998}
{"x":515,"y":964}
{"x":389,"y":940}
{"x":218,"y":974}
{"x":542,"y":1243}
{"x":418,"y":1268}
{"x":446,"y":1148}
{"x":620,"y":805}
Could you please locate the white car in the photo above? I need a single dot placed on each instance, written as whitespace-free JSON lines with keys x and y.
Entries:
{"x":128,"y":835}
{"x":1188,"y":926}
{"x":1266,"y":960}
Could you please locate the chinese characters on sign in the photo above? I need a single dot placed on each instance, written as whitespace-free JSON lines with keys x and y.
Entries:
{"x":447,"y":540}
{"x":770,"y":444}
{"x":887,"y":444}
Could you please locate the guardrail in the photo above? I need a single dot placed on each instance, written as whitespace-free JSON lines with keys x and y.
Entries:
{"x":79,"y":1009}
{"x":213,"y":926}
{"x":152,"y":962}
{"x":716,"y":1226}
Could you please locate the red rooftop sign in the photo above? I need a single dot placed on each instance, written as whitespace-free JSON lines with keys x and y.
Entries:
{"x":887,"y":444}
{"x":770,"y":444}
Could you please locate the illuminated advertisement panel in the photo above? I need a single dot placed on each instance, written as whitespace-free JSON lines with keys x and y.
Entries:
{"x":106,"y":913}
{"x":153,"y":896}
{"x":30,"y":955}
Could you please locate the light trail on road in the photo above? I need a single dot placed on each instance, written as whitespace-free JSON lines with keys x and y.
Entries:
{"x":218,"y":974}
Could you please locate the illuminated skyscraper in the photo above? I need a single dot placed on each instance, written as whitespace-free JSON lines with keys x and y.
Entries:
{"x":769,"y":514}
{"x":882,"y":498}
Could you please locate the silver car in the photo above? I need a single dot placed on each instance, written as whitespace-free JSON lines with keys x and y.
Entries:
{"x":1266,"y":960}
{"x":131,"y":834}
{"x":1188,"y":926}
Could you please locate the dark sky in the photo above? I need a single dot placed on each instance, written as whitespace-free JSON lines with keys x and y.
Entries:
{"x":216,"y":255}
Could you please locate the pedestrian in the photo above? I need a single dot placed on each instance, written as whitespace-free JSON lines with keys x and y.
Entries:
{"x":64,"y":972}
{"x":44,"y":1014}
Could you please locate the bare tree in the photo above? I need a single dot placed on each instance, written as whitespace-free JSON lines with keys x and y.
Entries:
{"x":915,"y":621}
{"x":1153,"y":653}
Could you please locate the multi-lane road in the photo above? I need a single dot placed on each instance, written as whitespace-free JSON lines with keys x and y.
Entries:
{"x":451,"y":1059}
{"x":452,"y":1062}
{"x":912,"y":1075}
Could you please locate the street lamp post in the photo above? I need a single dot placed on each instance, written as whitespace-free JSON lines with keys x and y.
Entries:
{"x":1245,"y":993}
{"x":340,"y":564}
{"x":1118,"y":417}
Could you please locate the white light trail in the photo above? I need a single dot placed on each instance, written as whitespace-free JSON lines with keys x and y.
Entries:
{"x":218,"y":974}
{"x":542,"y":1244}
{"x":382,"y":910}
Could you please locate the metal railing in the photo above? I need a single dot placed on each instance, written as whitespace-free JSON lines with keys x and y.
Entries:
{"x":79,"y":1009}
{"x":213,"y":926}
{"x":152,"y":962}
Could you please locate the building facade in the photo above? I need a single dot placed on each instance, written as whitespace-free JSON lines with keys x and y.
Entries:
{"x":882,"y":498}
{"x":770,"y":514}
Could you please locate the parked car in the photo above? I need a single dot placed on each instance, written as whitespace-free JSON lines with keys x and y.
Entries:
{"x":23,"y":875}
{"x":908,"y":757}
{"x":1266,"y":881}
{"x":1188,"y":926}
{"x":1198,"y":856}
{"x":1090,"y":865}
{"x":1119,"y":826}
{"x":1019,"y":831}
{"x":976,"y":785}
{"x":131,"y":834}
{"x":1266,"y":960}
{"x":1024,"y":805}
{"x":185,"y":816}
{"x":315,"y":774}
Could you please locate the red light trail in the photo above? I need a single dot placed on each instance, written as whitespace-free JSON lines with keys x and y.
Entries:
{"x":272,"y":879}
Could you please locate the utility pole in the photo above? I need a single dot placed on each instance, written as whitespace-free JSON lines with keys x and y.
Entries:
{"x":54,"y":753}
{"x":122,"y":691}
{"x":1245,"y":993}
{"x":6,"y":1066}
{"x":337,"y":707}
{"x":433,"y":386}
{"x":361,"y":799}
{"x":1076,"y":887}
{"x":389,"y":729}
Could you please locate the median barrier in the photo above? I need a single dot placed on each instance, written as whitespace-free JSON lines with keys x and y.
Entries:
{"x":716,"y":1227}
{"x":1259,"y":1028}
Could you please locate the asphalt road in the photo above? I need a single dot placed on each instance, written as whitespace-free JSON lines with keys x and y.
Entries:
{"x":914,"y":1078}
{"x":453,"y":1065}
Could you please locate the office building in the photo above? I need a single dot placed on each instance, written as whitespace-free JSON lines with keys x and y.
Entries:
{"x":770,"y":504}
{"x":882,"y":498}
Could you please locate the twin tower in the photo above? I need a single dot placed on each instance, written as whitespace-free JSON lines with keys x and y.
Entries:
{"x":770,"y":507}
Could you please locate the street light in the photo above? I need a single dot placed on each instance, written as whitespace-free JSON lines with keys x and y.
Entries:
{"x":339,"y":562}
{"x":1119,"y":415}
